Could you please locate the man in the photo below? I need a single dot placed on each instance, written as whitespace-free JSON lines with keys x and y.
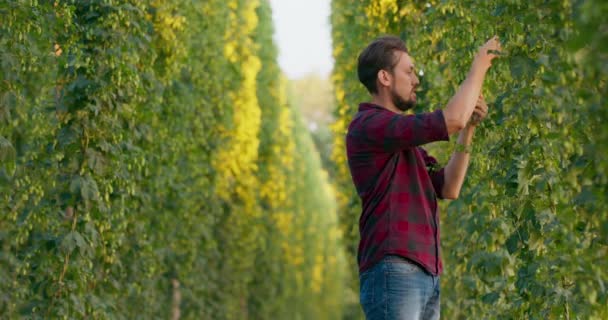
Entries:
{"x":399,"y":182}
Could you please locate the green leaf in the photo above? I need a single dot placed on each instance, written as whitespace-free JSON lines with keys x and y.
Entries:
{"x":522,"y":67}
{"x":95,"y":161}
{"x":88,"y":190}
{"x":86,"y":187}
{"x":490,"y":298}
{"x":68,"y":244}
{"x":512,"y":243}
{"x":7,"y":156}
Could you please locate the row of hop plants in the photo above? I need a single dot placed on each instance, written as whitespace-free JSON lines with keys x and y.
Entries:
{"x":154,"y":167}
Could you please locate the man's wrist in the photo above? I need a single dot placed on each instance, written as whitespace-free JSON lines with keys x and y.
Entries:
{"x":480,"y":65}
{"x":471,"y":126}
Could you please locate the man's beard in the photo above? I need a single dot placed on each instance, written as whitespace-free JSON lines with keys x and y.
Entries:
{"x":400,"y":103}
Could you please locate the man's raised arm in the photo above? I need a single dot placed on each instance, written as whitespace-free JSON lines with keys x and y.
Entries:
{"x":460,"y":108}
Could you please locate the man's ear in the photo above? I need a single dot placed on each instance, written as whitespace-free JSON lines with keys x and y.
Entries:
{"x":384,"y":78}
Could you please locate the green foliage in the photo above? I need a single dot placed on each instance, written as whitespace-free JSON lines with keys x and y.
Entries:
{"x":136,"y":143}
{"x":533,"y":209}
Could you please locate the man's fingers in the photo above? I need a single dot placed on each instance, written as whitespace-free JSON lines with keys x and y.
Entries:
{"x":493,"y":46}
{"x":481,"y":111}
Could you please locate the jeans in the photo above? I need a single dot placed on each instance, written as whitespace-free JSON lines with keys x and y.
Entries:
{"x":396,"y":289}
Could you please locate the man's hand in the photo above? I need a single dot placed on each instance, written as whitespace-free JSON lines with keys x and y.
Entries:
{"x":480,"y":112}
{"x":487,"y":53}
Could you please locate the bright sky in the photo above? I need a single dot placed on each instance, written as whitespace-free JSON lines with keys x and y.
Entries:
{"x":303,"y":35}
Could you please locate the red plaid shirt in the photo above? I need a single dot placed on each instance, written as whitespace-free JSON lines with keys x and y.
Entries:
{"x":398,"y":183}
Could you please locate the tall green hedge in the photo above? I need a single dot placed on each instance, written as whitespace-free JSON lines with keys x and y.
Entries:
{"x":528,"y":236}
{"x":153,"y":167}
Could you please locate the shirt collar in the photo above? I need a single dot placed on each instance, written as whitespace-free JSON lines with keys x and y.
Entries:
{"x":368,"y":105}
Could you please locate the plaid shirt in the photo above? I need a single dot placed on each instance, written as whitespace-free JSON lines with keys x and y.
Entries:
{"x":398,"y":183}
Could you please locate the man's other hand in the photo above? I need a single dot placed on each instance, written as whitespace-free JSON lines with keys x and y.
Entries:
{"x":480,"y":112}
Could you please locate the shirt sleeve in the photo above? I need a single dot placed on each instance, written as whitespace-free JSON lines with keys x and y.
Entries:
{"x":436,"y":172}
{"x":391,"y":132}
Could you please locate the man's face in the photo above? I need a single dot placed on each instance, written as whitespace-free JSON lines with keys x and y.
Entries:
{"x":404,"y":82}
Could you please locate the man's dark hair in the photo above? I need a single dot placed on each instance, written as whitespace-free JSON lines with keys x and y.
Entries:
{"x":378,"y":55}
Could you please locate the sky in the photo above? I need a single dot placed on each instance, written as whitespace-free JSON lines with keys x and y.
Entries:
{"x":303,"y":35}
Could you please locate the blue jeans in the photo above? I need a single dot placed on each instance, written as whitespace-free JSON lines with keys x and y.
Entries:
{"x":396,"y":289}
